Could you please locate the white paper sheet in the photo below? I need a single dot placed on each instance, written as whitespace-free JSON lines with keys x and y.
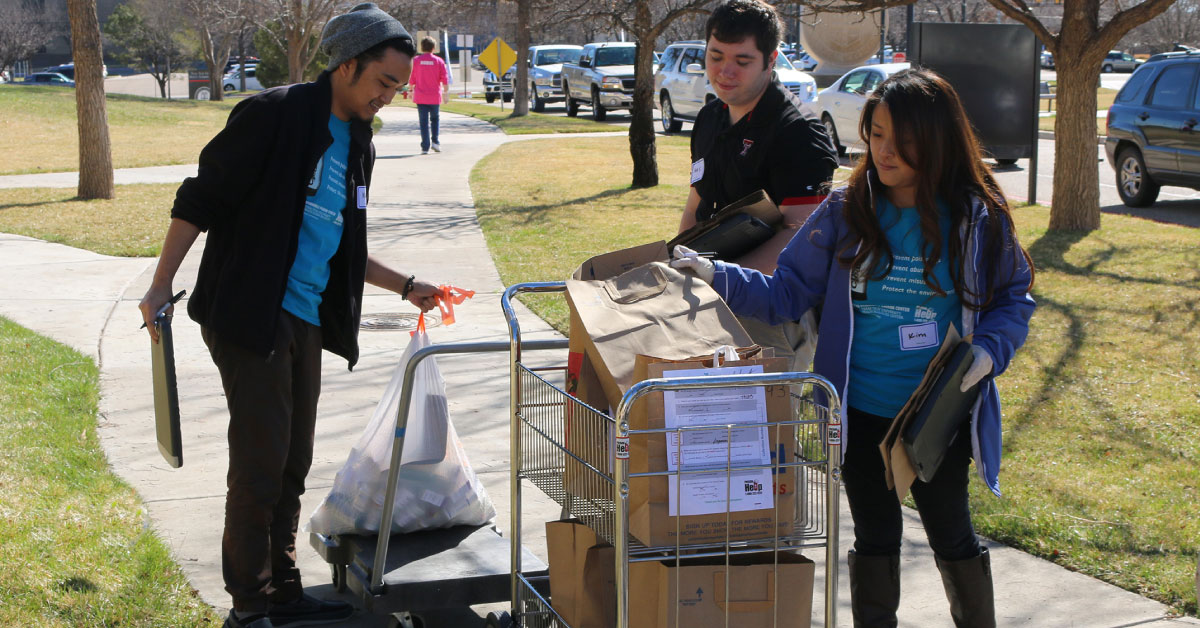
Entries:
{"x":707,"y":493}
{"x":710,"y":493}
{"x":717,"y":448}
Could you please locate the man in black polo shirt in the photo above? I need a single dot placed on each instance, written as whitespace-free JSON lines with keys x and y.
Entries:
{"x":756,"y":135}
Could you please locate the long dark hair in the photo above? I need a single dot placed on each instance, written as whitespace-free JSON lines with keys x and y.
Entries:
{"x":936,"y":140}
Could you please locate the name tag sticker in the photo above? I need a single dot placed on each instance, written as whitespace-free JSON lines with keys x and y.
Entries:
{"x":362,"y":197}
{"x":697,"y":171}
{"x":920,"y":336}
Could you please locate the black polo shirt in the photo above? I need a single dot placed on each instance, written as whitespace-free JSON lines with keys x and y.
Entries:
{"x":780,"y":147}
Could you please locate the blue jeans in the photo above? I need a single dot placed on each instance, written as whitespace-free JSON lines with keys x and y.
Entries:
{"x":942,"y":502}
{"x":429,"y":122}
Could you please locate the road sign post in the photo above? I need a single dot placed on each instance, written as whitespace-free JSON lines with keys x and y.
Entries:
{"x":498,"y":57}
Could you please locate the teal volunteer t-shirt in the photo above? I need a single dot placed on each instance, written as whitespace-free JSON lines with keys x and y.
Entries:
{"x":321,"y":231}
{"x":899,"y":321}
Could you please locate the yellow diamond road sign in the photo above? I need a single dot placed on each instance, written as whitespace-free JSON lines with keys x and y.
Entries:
{"x":498,"y":57}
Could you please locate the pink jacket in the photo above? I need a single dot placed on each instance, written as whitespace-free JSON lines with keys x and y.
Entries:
{"x":428,"y":75}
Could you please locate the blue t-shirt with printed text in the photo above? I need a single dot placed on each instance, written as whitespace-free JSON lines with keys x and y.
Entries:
{"x":321,"y":230}
{"x":899,"y":321}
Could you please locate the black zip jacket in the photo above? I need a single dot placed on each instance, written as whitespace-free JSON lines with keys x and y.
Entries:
{"x":249,"y":196}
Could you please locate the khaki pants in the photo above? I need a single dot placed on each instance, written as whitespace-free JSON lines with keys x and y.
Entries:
{"x":795,"y":340}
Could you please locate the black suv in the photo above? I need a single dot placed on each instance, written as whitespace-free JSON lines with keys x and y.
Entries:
{"x":1152,"y":136}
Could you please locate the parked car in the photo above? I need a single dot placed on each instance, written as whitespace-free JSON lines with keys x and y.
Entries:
{"x":1047,"y":60}
{"x":1118,"y":61}
{"x":68,"y":70}
{"x":804,"y":62}
{"x":545,"y":73}
{"x":494,"y":88}
{"x":682,"y":87}
{"x":232,"y":81}
{"x":233,"y":63}
{"x":602,"y":78}
{"x":1151,"y":138}
{"x":841,"y":103}
{"x":888,"y":56}
{"x":48,"y":78}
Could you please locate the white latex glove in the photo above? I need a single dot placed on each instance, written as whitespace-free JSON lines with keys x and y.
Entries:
{"x":687,"y":258}
{"x":981,"y":366}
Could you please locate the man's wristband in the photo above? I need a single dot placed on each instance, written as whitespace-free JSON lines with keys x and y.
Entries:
{"x":408,"y":285}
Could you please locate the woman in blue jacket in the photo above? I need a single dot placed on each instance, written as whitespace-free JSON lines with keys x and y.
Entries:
{"x":920,"y":238}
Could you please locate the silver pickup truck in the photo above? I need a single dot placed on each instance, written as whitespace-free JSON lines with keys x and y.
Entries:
{"x":603,"y":78}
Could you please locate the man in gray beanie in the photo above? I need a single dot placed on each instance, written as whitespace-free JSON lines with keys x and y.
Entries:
{"x":282,"y":192}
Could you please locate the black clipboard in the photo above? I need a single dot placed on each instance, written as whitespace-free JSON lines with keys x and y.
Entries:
{"x":941,"y":413}
{"x":166,"y":395}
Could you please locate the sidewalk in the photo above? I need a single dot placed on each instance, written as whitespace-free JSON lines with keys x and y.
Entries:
{"x":422,"y":220}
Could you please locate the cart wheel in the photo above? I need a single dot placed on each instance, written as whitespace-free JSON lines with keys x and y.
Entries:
{"x":498,"y":620}
{"x":337,"y":574}
{"x":406,"y":620}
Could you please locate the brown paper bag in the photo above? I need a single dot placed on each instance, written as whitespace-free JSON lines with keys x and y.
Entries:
{"x":652,"y":309}
{"x":587,"y":434}
{"x":650,"y":519}
{"x":582,"y":575}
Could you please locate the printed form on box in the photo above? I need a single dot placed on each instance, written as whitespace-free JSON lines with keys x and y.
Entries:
{"x":717,"y":449}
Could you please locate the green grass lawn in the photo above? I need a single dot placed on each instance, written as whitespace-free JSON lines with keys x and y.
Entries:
{"x":76,"y":548}
{"x":38,"y":129}
{"x":529,"y":124}
{"x":1102,"y":406}
{"x":132,"y":224}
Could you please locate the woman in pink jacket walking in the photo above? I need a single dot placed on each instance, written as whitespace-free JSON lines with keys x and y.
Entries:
{"x":429,"y":77}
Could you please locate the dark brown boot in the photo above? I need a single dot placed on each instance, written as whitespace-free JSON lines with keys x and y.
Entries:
{"x":874,"y":589}
{"x":968,"y":586}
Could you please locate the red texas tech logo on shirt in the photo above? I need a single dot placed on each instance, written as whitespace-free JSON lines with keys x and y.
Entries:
{"x":746,"y":144}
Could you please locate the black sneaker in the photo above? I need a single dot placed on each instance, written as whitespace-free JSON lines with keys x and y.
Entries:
{"x":254,"y":621}
{"x":308,"y":611}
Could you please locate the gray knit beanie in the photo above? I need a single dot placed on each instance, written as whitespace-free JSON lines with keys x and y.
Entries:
{"x":348,"y":35}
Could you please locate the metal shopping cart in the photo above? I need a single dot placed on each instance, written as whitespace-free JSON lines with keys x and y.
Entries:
{"x":431,"y":570}
{"x":555,"y":440}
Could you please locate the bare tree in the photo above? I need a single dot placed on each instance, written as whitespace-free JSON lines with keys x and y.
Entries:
{"x":215,"y":23}
{"x":1082,"y":40}
{"x":95,"y":152}
{"x":148,"y":31}
{"x":1179,"y":24}
{"x":300,"y":24}
{"x":646,"y":21}
{"x":22,"y":32}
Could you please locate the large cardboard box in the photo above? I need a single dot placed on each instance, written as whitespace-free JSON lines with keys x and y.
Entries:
{"x":762,"y":588}
{"x":650,"y":518}
{"x":761,"y":593}
{"x":582,"y":575}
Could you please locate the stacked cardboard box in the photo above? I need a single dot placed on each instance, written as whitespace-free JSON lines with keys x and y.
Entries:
{"x":765,"y":590}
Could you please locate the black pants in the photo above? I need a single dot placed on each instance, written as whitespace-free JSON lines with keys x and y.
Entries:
{"x":942,"y":502}
{"x":272,"y":417}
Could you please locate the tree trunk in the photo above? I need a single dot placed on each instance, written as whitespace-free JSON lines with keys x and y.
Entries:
{"x":642,"y":147}
{"x":1075,"y":205}
{"x":295,"y":61}
{"x":521,"y":76}
{"x":95,"y":151}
